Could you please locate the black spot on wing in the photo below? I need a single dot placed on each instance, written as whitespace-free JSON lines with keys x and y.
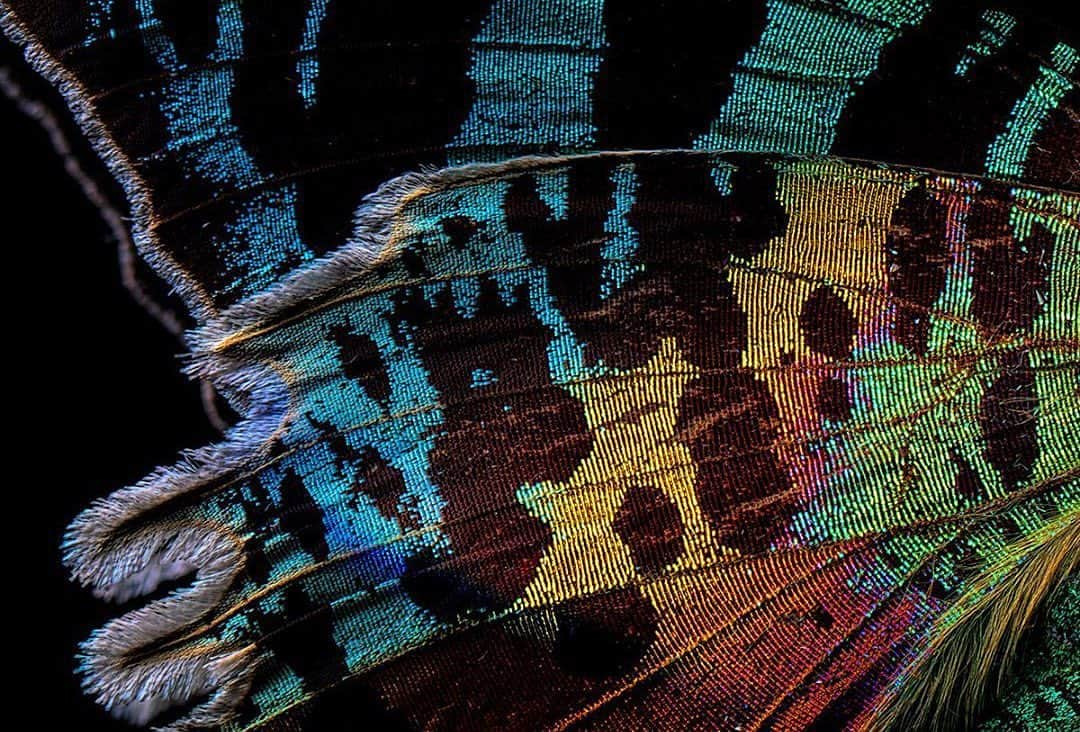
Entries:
{"x":728,"y":420}
{"x":1008,"y":420}
{"x":667,"y":70}
{"x":361,"y":361}
{"x":302,"y":637}
{"x":384,"y":484}
{"x":1010,"y":278}
{"x":459,"y":230}
{"x":917,"y":255}
{"x":604,"y":635}
{"x":302,"y":517}
{"x":821,"y":617}
{"x":833,"y":399}
{"x":393,"y":89}
{"x":827,"y":324}
{"x":192,"y":26}
{"x":651,"y":527}
{"x":917,"y":110}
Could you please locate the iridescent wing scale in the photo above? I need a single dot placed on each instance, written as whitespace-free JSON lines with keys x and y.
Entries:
{"x":605,"y":439}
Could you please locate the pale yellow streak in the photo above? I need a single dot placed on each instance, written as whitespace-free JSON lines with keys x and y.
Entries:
{"x":838,"y":218}
{"x":632,"y":417}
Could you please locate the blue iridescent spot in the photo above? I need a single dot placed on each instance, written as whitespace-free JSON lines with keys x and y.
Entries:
{"x":482,"y":378}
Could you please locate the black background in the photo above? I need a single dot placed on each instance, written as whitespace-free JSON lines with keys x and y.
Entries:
{"x":95,"y":401}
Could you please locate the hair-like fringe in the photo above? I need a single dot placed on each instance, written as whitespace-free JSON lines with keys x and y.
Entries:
{"x":372,"y":241}
{"x":77,"y":97}
{"x":106,"y":549}
{"x":973,"y":647}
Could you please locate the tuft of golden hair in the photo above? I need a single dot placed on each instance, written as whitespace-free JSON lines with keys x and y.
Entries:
{"x":970,"y":653}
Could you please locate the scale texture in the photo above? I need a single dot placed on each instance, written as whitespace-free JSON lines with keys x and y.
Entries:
{"x":600,"y":365}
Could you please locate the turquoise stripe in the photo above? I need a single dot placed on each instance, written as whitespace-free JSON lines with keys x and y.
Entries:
{"x":534,"y":64}
{"x":620,"y":249}
{"x":995,"y":28}
{"x":99,"y":21}
{"x":1008,"y":153}
{"x":307,"y":65}
{"x":792,"y":86}
{"x":263,"y":238}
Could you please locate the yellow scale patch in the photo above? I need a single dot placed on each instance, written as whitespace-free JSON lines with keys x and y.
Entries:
{"x":632,"y":418}
{"x":836,"y":234}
